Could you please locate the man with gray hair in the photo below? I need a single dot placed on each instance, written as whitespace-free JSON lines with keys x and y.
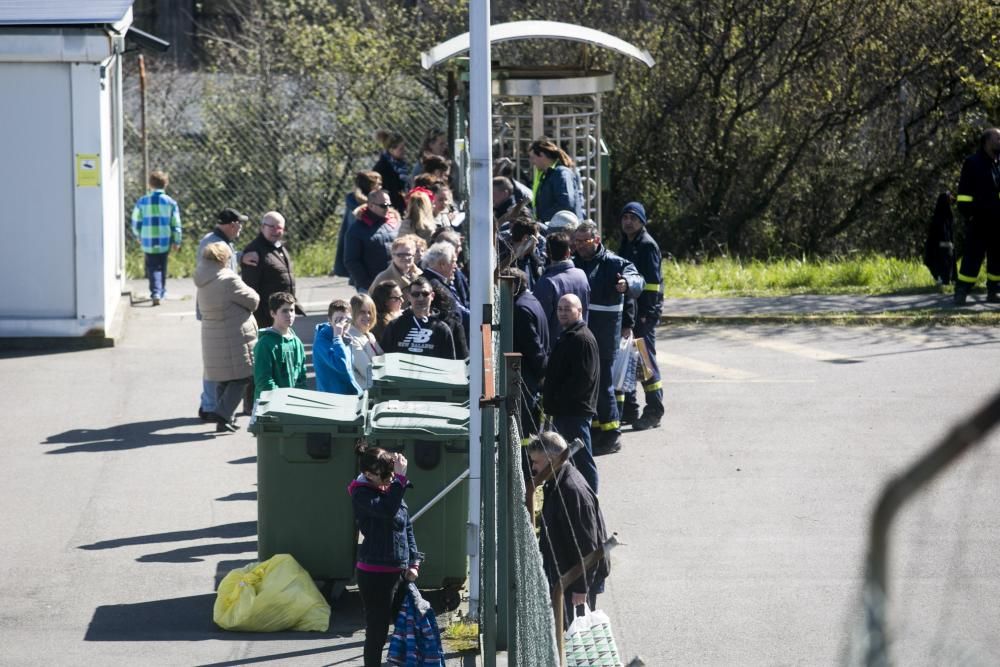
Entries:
{"x":440,"y":263}
{"x":272,"y":271}
{"x":613,"y":280}
{"x":572,"y":524}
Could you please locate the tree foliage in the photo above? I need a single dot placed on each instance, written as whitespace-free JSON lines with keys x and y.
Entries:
{"x":767,"y":127}
{"x":803,"y":126}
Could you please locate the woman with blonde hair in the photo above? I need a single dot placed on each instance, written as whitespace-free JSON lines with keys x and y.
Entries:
{"x":556,"y":184}
{"x":402,"y":267}
{"x":228,"y":331}
{"x":363,"y":343}
{"x":419,"y":216}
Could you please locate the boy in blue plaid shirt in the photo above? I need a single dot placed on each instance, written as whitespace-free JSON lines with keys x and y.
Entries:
{"x":156,"y":223}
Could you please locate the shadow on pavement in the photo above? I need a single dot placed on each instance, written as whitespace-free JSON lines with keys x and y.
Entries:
{"x":246,"y":495}
{"x":355,"y":655}
{"x":225,"y":531}
{"x":248,"y":459}
{"x":196,"y":553}
{"x":127,"y":436}
{"x":190,"y":619}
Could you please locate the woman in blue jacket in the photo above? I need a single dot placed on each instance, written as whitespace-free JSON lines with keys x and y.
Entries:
{"x":388,"y":555}
{"x":556,"y":185}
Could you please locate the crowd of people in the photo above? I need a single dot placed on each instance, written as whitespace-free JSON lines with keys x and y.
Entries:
{"x":402,"y":244}
{"x":401,"y":247}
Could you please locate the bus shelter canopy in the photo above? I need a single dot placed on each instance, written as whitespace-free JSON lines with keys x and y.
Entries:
{"x":516,"y":30}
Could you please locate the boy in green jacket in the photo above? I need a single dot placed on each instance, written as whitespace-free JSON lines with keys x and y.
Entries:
{"x":279,"y":356}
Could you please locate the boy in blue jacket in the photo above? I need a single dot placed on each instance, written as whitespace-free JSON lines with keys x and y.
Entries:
{"x":332,"y":356}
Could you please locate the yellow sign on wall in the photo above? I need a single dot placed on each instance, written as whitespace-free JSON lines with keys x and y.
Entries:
{"x":88,"y":170}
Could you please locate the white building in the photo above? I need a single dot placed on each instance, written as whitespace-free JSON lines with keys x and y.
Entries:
{"x":61,"y":172}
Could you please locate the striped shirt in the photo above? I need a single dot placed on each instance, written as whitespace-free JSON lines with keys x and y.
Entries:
{"x":156,"y":222}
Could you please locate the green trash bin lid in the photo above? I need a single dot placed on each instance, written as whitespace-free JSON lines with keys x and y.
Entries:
{"x":296,"y":407}
{"x":413,"y":369}
{"x":419,"y":419}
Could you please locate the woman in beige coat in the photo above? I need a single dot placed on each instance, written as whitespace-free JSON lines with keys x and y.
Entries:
{"x":228,"y":331}
{"x":403,"y":267}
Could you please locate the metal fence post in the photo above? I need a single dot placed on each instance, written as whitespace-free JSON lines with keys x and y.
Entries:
{"x":503,"y":465}
{"x":486,"y":599}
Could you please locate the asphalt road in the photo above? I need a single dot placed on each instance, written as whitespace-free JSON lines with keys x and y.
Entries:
{"x":744,"y":516}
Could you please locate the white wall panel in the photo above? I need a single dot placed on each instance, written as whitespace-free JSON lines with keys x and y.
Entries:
{"x":36,"y":187}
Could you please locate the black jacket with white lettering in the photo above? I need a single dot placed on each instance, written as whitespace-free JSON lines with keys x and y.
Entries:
{"x":429,"y":336}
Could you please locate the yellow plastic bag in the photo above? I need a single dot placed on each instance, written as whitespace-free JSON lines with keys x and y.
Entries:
{"x":275,"y":595}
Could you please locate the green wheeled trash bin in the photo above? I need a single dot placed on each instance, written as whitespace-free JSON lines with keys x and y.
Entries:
{"x":413,"y":377}
{"x":434,"y":437}
{"x":305,"y":460}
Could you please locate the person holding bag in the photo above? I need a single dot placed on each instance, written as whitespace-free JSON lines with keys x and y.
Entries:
{"x":572,"y":525}
{"x":388,"y":556}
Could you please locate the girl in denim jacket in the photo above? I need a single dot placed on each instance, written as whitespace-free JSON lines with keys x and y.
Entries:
{"x":388,"y":555}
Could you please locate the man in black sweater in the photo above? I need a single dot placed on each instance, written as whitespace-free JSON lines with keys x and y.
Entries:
{"x":569,"y":393}
{"x":417,"y":330}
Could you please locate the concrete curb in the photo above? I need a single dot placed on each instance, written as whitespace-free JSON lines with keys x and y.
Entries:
{"x":840,"y":319}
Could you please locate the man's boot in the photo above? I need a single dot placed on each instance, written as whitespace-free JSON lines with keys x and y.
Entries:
{"x":605,"y":442}
{"x":628,"y":409}
{"x":648,"y":420}
{"x":652,"y":413}
{"x":961,"y":293}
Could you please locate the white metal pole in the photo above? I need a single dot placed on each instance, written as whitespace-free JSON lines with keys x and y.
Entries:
{"x":481,"y":261}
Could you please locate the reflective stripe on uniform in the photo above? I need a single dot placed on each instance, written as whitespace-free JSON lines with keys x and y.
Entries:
{"x":967,"y":279}
{"x":964,"y":198}
{"x":652,"y":287}
{"x":992,"y":277}
{"x":607,"y":426}
{"x":596,"y":307}
{"x":525,"y":442}
{"x":653,"y":386}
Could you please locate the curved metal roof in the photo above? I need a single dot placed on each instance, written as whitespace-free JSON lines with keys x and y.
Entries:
{"x":505,"y":32}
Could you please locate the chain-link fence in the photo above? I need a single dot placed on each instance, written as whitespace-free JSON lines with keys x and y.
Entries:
{"x":257,"y":145}
{"x":533,"y":632}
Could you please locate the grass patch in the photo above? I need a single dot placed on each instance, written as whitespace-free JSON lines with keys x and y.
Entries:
{"x":909,"y":318}
{"x":724,"y":276}
{"x":461,"y":637}
{"x":727,"y":276}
